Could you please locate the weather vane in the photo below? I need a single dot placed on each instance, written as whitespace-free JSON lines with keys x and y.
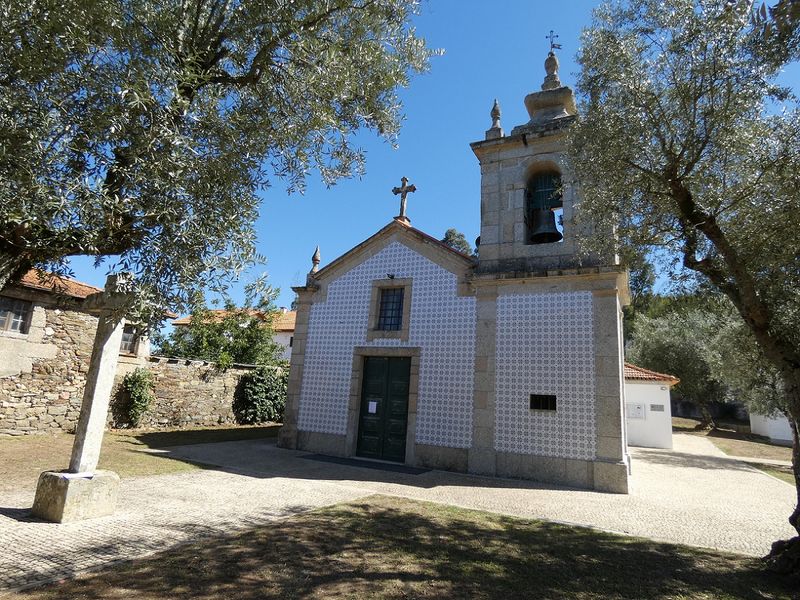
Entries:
{"x":552,"y":37}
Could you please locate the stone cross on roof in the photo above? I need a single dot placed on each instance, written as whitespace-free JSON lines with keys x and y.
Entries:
{"x":403,"y":190}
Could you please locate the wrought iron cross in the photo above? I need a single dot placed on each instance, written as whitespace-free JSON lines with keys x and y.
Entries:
{"x":552,"y":37}
{"x":403,"y":190}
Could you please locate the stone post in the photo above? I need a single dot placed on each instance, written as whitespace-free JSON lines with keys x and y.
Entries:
{"x":83,"y":492}
{"x":482,"y":457}
{"x":97,"y":394}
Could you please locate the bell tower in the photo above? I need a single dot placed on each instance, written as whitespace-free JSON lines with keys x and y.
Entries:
{"x":528,"y":194}
{"x":549,"y":388}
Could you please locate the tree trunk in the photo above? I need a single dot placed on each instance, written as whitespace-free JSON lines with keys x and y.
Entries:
{"x":12,"y":268}
{"x":785,"y":554}
{"x":706,"y":420}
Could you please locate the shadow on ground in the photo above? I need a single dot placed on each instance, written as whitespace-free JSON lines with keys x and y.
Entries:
{"x":179,"y":437}
{"x":397,"y":548}
{"x":685,"y":459}
{"x":262,"y":459}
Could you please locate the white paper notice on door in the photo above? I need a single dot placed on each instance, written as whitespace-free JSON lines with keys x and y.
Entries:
{"x":372,"y":408}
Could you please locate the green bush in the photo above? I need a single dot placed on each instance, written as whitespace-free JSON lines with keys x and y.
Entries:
{"x":261,"y":395}
{"x":139,"y":386}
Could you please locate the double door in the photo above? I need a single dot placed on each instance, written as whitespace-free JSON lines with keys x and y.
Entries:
{"x":383,"y":418}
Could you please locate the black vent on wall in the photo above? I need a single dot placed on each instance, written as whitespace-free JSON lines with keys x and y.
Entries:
{"x":543,"y":402}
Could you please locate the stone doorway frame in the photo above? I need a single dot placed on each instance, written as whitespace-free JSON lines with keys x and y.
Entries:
{"x":356,"y":381}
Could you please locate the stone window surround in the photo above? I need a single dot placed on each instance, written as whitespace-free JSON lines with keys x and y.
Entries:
{"x":356,"y":379}
{"x":373,"y":333}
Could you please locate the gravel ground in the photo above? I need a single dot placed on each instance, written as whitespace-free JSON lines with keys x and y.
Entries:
{"x":693,"y":494}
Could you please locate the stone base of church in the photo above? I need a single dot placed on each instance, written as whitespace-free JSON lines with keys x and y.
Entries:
{"x":611,"y":477}
{"x":600,"y":475}
{"x":322,"y":443}
{"x":287,"y":437}
{"x":440,"y":457}
{"x":594,"y":475}
{"x":562,"y":471}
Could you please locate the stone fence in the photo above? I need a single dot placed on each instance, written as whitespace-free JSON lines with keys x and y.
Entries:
{"x":187,"y":392}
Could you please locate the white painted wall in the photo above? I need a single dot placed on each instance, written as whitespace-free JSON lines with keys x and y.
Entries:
{"x":776,"y":428}
{"x":647,"y":427}
{"x":284,"y":338}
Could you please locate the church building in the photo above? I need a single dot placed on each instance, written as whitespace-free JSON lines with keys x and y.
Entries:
{"x":510,"y":364}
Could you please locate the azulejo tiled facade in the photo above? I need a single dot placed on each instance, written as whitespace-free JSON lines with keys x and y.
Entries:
{"x":545,"y":345}
{"x":442,"y":324}
{"x":515,"y":357}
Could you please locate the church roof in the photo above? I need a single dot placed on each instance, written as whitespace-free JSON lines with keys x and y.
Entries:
{"x":440,"y":252}
{"x":634,"y":373}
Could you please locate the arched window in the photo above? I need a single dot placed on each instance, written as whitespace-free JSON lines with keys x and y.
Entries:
{"x":543,"y":201}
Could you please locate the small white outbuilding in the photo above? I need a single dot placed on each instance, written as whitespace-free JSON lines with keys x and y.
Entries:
{"x":648,"y":414}
{"x":776,"y":428}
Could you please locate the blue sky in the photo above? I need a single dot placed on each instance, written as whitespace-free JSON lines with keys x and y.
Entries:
{"x":491,"y":50}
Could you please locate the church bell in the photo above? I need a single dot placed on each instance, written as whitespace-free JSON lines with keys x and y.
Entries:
{"x":544,"y":229}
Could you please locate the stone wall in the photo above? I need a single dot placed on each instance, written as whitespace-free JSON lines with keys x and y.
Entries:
{"x":45,"y":394}
{"x":187,"y":393}
{"x":43,"y":374}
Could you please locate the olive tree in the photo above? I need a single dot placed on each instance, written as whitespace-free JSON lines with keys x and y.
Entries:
{"x":676,"y":343}
{"x":235,"y":334}
{"x":690,"y":148}
{"x":738,"y":362}
{"x":141,"y":131}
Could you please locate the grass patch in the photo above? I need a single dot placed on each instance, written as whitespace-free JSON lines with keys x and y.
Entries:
{"x":123,"y":451}
{"x":388,"y":547}
{"x":748,"y":445}
{"x":735,"y":443}
{"x":779,"y":472}
{"x":683,"y":424}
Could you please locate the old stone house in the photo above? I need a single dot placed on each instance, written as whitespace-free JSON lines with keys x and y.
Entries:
{"x":46,"y":338}
{"x":406,"y":350}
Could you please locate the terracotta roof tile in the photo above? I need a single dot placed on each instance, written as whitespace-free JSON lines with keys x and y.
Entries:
{"x":285,"y":321}
{"x":641,"y":374}
{"x":40,"y":280}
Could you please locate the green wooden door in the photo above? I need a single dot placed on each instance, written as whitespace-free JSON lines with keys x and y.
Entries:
{"x":383,"y":416}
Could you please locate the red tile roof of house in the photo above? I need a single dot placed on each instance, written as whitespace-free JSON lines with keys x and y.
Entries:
{"x":48,"y":282}
{"x":40,"y":280}
{"x":284,"y":321}
{"x":640,"y":374}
